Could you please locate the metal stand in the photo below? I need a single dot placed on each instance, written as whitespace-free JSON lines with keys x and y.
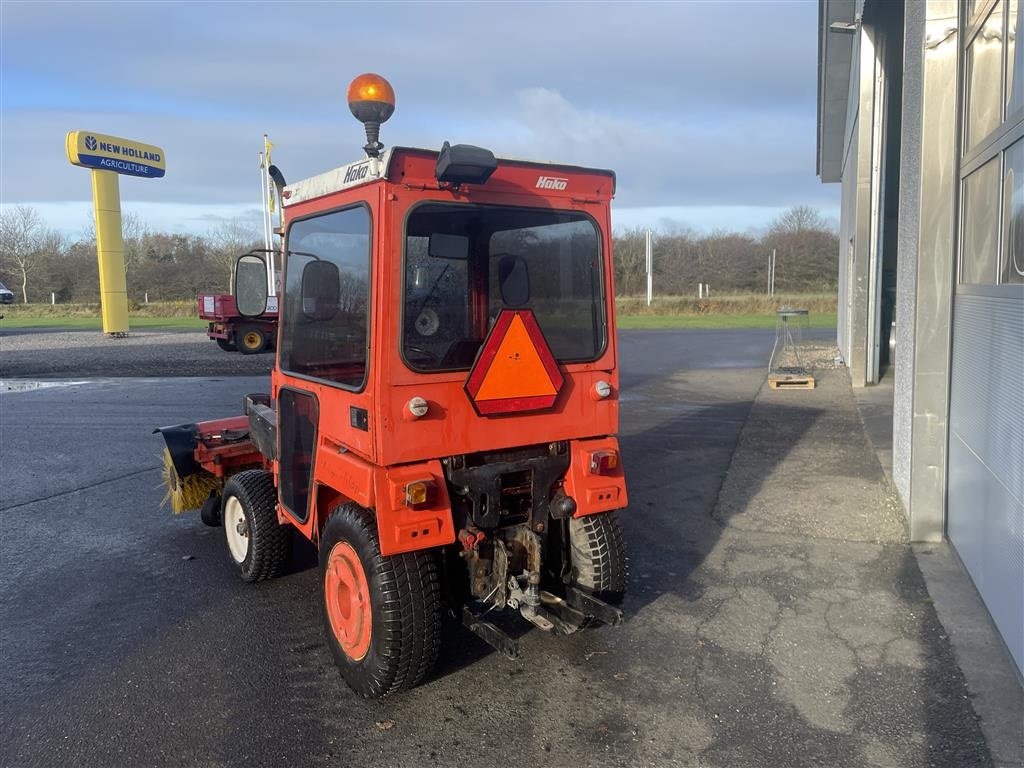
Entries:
{"x":785,"y":367}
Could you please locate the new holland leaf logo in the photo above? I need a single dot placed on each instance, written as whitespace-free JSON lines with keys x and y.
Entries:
{"x":90,"y":142}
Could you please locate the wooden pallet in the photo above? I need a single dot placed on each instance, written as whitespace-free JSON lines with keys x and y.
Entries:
{"x":781,"y":381}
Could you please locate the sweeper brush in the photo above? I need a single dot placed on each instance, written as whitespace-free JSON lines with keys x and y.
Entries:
{"x":190,"y":492}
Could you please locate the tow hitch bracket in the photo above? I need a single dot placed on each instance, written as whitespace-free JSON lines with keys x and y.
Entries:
{"x":592,"y":606}
{"x":490,"y":634}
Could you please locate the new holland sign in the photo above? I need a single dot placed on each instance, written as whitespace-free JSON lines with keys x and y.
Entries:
{"x":110,"y":153}
{"x":109,"y":157}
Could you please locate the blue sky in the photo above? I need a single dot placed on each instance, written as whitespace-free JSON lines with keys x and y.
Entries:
{"x":706,"y":110}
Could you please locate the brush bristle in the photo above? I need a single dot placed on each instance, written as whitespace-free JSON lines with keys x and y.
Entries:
{"x":190,"y":492}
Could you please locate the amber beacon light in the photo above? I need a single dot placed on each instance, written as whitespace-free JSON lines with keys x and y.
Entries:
{"x":372,"y":101}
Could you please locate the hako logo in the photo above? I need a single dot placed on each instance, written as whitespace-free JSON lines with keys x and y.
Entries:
{"x":551,"y":182}
{"x":90,"y":142}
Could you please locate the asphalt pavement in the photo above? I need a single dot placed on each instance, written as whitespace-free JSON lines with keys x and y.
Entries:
{"x":125,"y":638}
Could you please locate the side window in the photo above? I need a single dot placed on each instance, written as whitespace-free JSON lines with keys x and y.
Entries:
{"x":325,"y":317}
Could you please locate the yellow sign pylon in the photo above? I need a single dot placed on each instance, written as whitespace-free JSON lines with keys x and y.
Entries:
{"x":108,"y":156}
{"x":106,"y":201}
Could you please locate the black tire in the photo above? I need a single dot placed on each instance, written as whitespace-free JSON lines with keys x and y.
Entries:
{"x":268,"y":543}
{"x":250,"y":339}
{"x":209,"y":513}
{"x":405,"y":608}
{"x":226,"y":345}
{"x":598,"y":550}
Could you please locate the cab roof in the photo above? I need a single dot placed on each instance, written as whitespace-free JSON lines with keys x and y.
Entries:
{"x":390,"y":166}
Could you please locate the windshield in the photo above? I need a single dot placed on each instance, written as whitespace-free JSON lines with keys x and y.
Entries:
{"x":465,"y":263}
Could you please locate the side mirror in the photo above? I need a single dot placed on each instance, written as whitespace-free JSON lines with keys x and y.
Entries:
{"x":514,"y":280}
{"x":321,"y":290}
{"x":442,"y":246}
{"x":251,"y":285}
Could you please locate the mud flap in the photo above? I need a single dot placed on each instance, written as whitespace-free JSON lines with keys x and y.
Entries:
{"x":181,"y":441}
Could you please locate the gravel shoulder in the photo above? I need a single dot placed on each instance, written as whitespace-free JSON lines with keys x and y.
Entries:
{"x":58,"y":354}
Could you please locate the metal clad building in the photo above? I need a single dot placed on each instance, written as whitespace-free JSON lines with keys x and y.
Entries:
{"x":921,"y":120}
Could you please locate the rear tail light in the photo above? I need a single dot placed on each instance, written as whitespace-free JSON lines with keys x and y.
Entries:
{"x":419,"y":493}
{"x":604,"y":462}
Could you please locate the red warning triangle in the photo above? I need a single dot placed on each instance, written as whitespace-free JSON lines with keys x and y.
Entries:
{"x":515,"y":370}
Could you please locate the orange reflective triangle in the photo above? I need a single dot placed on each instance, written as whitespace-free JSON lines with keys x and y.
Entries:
{"x":517,"y":370}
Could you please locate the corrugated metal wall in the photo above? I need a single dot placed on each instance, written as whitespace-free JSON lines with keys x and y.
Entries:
{"x":986,"y":455}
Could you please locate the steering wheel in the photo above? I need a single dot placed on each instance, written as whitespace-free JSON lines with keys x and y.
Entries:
{"x":432,"y":358}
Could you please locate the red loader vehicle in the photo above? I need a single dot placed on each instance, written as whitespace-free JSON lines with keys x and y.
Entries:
{"x":232,"y":331}
{"x":442,"y":413}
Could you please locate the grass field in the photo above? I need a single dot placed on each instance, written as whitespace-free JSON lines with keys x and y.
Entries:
{"x":820,"y":320}
{"x":83,"y":317}
{"x":741,"y":311}
{"x":84,"y":323}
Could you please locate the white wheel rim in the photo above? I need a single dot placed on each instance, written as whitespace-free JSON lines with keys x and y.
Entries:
{"x":236,"y":529}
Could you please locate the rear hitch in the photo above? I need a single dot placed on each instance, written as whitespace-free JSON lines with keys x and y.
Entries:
{"x":490,"y":634}
{"x":592,"y":606}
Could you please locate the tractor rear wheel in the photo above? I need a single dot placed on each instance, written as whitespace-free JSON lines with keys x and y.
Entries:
{"x":226,"y":345}
{"x":382,"y":615}
{"x":599,"y":561}
{"x":257,"y":544}
{"x":250,"y":340}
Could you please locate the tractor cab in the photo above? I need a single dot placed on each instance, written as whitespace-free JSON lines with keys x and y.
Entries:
{"x":442,"y":413}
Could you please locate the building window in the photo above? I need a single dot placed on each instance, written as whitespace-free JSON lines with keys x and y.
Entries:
{"x":1012,"y":261}
{"x":980,"y":224}
{"x":991,"y":223}
{"x":1014,"y":59}
{"x":984,"y":64}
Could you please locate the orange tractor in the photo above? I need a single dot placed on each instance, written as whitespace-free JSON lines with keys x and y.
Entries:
{"x":442,"y":415}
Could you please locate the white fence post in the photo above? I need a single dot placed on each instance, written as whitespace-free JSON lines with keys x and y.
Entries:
{"x":649,"y":258}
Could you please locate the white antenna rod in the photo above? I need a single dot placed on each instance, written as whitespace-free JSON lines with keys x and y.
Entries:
{"x":265,"y":218}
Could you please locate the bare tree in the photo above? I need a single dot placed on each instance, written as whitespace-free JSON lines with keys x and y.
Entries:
{"x":807,"y":250}
{"x":133,"y":234}
{"x":21,"y":230}
{"x":799,"y":218}
{"x":230,"y":240}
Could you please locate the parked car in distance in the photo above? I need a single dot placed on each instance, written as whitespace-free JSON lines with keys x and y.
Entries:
{"x":6,"y":295}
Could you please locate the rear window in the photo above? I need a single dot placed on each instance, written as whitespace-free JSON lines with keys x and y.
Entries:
{"x":465,"y":263}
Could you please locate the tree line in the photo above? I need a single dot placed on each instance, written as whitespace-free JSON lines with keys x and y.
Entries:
{"x":37,"y":261}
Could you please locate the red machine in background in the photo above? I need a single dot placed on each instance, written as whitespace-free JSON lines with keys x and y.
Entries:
{"x":231,"y":331}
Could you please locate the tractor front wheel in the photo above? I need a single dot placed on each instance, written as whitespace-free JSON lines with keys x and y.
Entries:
{"x":382,"y":615}
{"x":250,"y":340}
{"x":226,"y":345}
{"x":598,"y":550}
{"x":258,"y":545}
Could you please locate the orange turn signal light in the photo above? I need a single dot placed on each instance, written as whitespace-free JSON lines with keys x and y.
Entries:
{"x":418,"y":493}
{"x":603,"y":462}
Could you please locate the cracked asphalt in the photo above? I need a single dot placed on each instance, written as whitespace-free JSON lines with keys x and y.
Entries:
{"x":776,"y":614}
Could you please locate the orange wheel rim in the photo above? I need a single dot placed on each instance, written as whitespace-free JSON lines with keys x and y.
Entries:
{"x":347,"y":597}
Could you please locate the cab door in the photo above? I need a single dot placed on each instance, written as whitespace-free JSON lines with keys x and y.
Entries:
{"x":321,"y":387}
